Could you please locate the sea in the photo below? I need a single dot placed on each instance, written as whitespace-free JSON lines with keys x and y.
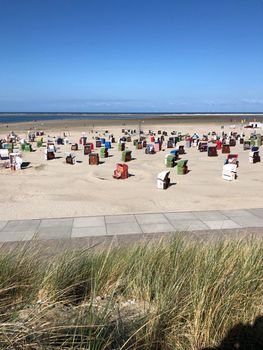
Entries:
{"x":8,"y":118}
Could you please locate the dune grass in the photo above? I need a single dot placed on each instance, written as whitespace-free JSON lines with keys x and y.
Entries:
{"x":167,"y":294}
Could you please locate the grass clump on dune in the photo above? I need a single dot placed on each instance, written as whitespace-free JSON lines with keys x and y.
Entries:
{"x":170,"y":294}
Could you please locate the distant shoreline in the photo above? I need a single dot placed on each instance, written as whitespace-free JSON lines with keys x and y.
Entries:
{"x":104,"y":118}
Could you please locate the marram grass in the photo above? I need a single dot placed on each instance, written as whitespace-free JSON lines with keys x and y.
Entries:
{"x":165,"y":295}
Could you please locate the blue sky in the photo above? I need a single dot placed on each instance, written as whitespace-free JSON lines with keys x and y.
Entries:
{"x":131,"y":55}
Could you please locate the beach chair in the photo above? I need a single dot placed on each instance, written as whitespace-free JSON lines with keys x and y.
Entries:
{"x":126,"y":156}
{"x":70,"y":158}
{"x":121,"y":146}
{"x":157,"y":146}
{"x":93,"y":159}
{"x":139,"y":145}
{"x":60,"y":141}
{"x":232,"y":142}
{"x":218,"y":145}
{"x":246,"y":145}
{"x":27,"y":147}
{"x":202,"y":147}
{"x":49,"y":154}
{"x":149,"y":149}
{"x":169,"y":161}
{"x":104,"y":152}
{"x":87,"y":150}
{"x":163,"y":180}
{"x":182,"y":167}
{"x":170,"y":144}
{"x":4,"y":154}
{"x":15,"y":161}
{"x":212,"y":150}
{"x":232,"y":159}
{"x":98,"y":143}
{"x":74,"y":147}
{"x":254,"y":156}
{"x":188,"y":142}
{"x":181,"y":150}
{"x":83,"y":140}
{"x":121,"y":171}
{"x":174,"y":152}
{"x":229,"y":172}
{"x":225,"y":148}
{"x":90,"y":145}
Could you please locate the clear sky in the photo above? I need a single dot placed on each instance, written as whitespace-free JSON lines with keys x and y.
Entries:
{"x":131,"y":55}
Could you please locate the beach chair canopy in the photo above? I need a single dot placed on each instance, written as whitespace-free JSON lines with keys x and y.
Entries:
{"x":182,"y":163}
{"x":169,"y":157}
{"x":163,"y":175}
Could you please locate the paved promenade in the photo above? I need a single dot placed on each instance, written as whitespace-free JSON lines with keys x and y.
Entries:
{"x":137,"y":224}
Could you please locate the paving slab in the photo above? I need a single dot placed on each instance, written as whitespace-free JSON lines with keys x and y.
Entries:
{"x":157,"y":228}
{"x":123,"y":228}
{"x":210,"y":215}
{"x":151,"y":219}
{"x":221,"y":224}
{"x":88,"y":231}
{"x":65,"y":222}
{"x":248,"y":221}
{"x":21,"y":226}
{"x":93,"y":221}
{"x":16,"y":236}
{"x":3,"y":224}
{"x":237,"y":213}
{"x":257,"y":212}
{"x":117,"y":219}
{"x":189,"y":225}
{"x":54,"y":232}
{"x":180,"y":216}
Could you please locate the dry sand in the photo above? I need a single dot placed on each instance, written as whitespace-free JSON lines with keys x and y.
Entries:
{"x":55,"y":189}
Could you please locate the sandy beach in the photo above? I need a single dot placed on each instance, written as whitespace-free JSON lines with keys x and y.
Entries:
{"x":47,"y":189}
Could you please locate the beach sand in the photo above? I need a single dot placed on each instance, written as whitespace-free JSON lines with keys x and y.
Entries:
{"x":51,"y":189}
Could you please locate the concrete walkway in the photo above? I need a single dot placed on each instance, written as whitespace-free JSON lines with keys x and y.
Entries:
{"x":137,"y":224}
